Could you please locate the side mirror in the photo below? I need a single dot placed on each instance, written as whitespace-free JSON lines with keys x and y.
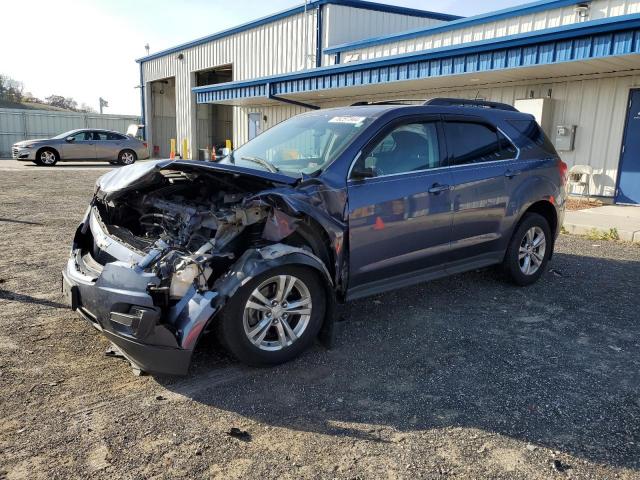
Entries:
{"x":70,"y":139}
{"x":360,"y":173}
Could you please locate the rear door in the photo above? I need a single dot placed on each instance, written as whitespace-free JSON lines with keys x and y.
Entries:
{"x":399,"y":220}
{"x":108,"y":145}
{"x":482,"y":164}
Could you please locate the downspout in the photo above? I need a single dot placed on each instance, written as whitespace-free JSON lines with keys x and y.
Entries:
{"x":142,"y":105}
{"x":272,"y":96}
{"x":319,"y":35}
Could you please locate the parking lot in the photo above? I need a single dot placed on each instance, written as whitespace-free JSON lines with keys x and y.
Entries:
{"x":466,"y":377}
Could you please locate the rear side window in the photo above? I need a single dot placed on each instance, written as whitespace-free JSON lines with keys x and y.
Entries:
{"x":477,"y":143}
{"x":531,"y":130}
{"x":115,"y":136}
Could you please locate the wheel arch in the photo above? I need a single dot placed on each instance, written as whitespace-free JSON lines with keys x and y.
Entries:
{"x":127,"y":150}
{"x":256,"y":261}
{"x":48,"y":147}
{"x":546,"y":209}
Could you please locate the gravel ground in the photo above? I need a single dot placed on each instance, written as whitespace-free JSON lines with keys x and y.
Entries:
{"x":465,"y":377}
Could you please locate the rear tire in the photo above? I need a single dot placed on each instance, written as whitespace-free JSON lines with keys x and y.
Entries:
{"x":529,"y":250}
{"x":47,"y":157}
{"x":284,"y":334}
{"x":127,"y":157}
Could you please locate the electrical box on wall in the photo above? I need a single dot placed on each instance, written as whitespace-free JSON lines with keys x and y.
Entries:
{"x":565,"y":137}
{"x":541,"y":109}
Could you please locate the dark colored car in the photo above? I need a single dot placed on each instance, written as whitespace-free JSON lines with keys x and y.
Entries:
{"x":326,"y":207}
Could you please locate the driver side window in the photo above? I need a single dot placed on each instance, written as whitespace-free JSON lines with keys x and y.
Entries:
{"x":407,"y":148}
{"x":82,"y":136}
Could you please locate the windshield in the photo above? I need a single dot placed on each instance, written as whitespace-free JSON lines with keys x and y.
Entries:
{"x":301,"y":145}
{"x":65,"y":134}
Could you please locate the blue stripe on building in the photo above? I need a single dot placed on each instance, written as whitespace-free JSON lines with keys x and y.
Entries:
{"x":596,"y":39}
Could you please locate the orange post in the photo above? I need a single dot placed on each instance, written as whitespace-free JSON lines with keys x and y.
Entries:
{"x":172,"y":154}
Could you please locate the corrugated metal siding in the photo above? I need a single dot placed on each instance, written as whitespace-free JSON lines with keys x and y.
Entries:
{"x":17,"y":124}
{"x":283,"y":46}
{"x":598,"y":107}
{"x":275,"y":48}
{"x":575,"y":43}
{"x":274,"y":114}
{"x":347,"y":24}
{"x":512,"y":26}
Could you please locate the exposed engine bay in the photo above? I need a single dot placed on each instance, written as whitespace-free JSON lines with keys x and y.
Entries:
{"x":165,"y":246}
{"x":190,"y":227}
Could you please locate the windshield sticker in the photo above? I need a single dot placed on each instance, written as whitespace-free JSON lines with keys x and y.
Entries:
{"x":349,"y":120}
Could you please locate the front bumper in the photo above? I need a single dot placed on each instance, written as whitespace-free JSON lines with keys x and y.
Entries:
{"x":23,"y":154}
{"x":116,"y":299}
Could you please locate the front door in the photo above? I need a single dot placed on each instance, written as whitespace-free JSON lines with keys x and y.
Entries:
{"x":400,"y":219}
{"x":629,"y":177}
{"x":482,"y":160}
{"x":81,"y":146}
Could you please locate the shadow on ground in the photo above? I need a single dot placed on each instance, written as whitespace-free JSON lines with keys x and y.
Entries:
{"x":555,"y":364}
{"x":24,"y":222}
{"x":28,"y":299}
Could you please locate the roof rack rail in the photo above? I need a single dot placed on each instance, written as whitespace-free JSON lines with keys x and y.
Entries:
{"x":460,"y":102}
{"x":397,"y":101}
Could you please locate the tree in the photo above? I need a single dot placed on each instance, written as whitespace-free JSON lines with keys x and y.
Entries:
{"x":10,"y":89}
{"x":13,"y":91}
{"x":61,"y":102}
{"x":29,"y":97}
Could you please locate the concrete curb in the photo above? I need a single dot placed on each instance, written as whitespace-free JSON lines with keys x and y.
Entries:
{"x":624,"y":220}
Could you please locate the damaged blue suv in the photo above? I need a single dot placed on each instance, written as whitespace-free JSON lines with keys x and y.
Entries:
{"x":329,"y":206}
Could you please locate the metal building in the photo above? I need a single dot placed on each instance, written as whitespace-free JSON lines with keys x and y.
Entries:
{"x":575,"y":65}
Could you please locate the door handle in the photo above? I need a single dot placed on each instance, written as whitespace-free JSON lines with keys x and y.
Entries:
{"x":512,"y":173}
{"x":436,"y":188}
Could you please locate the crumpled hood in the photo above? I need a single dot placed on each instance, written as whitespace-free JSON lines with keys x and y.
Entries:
{"x":126,"y":178}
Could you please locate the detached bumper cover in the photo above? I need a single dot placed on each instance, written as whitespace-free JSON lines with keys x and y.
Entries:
{"x":117,"y":302}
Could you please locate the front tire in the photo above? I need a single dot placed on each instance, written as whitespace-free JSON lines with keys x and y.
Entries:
{"x":274,"y":317}
{"x":529,"y":250}
{"x":46,"y":157}
{"x":127,"y":157}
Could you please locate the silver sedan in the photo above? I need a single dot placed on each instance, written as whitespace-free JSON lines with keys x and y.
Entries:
{"x":82,"y":144}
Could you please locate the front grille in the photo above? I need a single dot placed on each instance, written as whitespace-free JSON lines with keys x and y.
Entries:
{"x":14,"y":153}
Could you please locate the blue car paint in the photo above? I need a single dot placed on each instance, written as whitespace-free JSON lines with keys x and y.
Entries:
{"x":467,"y":227}
{"x":381,"y":233}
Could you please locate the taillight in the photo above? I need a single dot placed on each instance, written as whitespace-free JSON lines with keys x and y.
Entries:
{"x":145,"y":144}
{"x":563,"y":167}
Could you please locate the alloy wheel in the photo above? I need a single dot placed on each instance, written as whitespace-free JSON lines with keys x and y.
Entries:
{"x":47,"y":157}
{"x":127,"y":158}
{"x":532,"y":250}
{"x":277,"y":312}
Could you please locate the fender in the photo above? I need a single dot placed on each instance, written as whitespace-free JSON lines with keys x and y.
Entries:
{"x":251,"y":264}
{"x":255,"y":261}
{"x":533,"y":189}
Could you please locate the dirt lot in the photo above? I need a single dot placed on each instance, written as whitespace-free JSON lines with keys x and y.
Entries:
{"x":466,"y":377}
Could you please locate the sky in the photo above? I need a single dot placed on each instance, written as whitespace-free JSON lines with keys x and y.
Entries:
{"x":87,"y":49}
